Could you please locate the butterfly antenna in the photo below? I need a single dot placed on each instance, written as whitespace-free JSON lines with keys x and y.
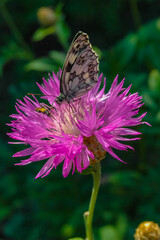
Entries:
{"x":35,"y":94}
{"x":40,"y":94}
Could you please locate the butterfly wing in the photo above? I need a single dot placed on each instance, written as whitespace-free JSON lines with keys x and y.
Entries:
{"x":81,"y":67}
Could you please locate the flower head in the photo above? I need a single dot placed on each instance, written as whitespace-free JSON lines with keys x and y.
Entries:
{"x":78,"y":133}
{"x":147,"y":230}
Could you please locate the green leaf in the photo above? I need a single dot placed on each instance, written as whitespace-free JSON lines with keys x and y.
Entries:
{"x":149,"y":101}
{"x":67,"y":230}
{"x":13,"y":223}
{"x":138,"y":79}
{"x":41,"y":64}
{"x":150,"y":31}
{"x":124,"y":178}
{"x":58,"y":57}
{"x":126,"y":49}
{"x":2,"y":2}
{"x":122,"y":225}
{"x":63,"y":33}
{"x":41,"y":33}
{"x":58,"y":10}
{"x":4,"y":213}
{"x":154,"y":80}
{"x":77,"y":238}
{"x":109,"y":232}
{"x":98,"y":51}
{"x":120,"y":56}
{"x":12,"y":51}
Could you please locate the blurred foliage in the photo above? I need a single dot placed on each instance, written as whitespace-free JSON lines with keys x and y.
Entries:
{"x":126,"y":36}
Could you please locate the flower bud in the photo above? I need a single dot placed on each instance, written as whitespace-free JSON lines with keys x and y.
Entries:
{"x":147,"y":231}
{"x":96,"y":148}
{"x":46,"y":16}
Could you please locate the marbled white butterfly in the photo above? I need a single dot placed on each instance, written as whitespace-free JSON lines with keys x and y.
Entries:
{"x":80,"y":70}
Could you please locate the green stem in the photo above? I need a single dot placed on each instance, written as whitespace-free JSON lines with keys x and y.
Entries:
{"x":13,"y":28}
{"x":88,"y":216}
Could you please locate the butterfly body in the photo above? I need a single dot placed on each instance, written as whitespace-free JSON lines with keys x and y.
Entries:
{"x":80,"y":71}
{"x":60,"y":98}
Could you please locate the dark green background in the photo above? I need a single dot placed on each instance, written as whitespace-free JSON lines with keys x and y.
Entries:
{"x":126,"y":35}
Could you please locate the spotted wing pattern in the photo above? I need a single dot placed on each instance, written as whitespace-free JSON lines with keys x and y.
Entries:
{"x":81,"y":67}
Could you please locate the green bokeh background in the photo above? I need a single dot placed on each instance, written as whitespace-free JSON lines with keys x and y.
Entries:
{"x":126,"y":36}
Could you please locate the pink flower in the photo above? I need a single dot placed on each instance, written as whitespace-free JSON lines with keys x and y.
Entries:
{"x":76,"y":133}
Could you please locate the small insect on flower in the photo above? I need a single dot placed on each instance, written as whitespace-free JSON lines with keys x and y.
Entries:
{"x":80,"y":70}
{"x":43,"y":110}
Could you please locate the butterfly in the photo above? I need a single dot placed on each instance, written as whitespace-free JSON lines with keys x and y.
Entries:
{"x":80,"y":70}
